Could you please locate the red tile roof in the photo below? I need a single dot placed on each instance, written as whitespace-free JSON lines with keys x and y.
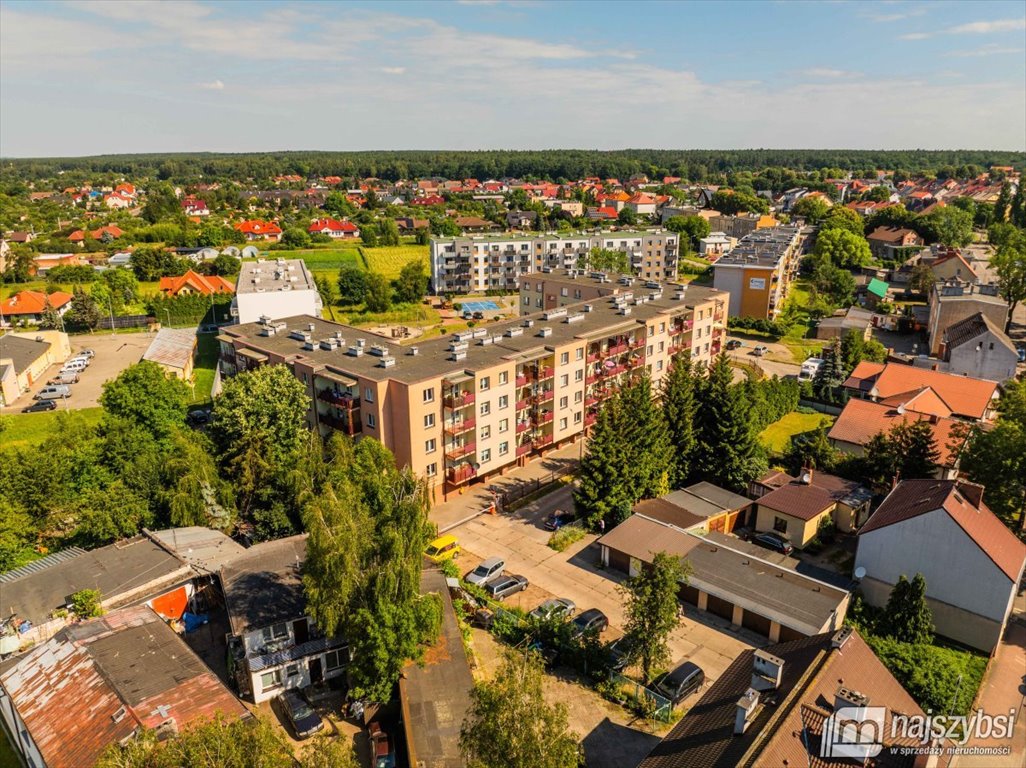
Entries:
{"x":33,"y":302}
{"x":862,"y":419}
{"x":196,"y":283}
{"x":807,"y":500}
{"x":331,"y":225}
{"x":912,"y":498}
{"x":258,"y":227}
{"x":964,"y":396}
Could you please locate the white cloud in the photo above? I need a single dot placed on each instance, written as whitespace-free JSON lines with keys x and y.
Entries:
{"x":973,"y":28}
{"x":394,"y":70}
{"x":827,"y":72}
{"x":213,"y":85}
{"x":990,"y":49}
{"x":891,"y":17}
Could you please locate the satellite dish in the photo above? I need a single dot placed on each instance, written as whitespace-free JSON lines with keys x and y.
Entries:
{"x":860,"y":573}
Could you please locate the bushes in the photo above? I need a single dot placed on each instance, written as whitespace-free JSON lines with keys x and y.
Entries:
{"x":762,"y":325}
{"x":189,"y":309}
{"x":566,"y":536}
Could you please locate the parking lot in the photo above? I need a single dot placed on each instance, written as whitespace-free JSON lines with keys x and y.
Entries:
{"x":113,"y":355}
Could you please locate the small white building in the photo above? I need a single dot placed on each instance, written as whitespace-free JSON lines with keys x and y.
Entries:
{"x":971,"y":561}
{"x":977,"y":347}
{"x":715,"y":245}
{"x":275,"y":289}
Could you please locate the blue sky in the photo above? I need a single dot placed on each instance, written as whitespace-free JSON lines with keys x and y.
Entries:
{"x":123,"y":76}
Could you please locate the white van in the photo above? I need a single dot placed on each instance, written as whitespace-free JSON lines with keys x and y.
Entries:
{"x":80,"y":358}
{"x":810,"y":368}
{"x":54,"y":392}
{"x":74,"y":366}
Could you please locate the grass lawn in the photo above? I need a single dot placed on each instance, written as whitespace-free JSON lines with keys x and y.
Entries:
{"x":207,"y":352}
{"x":420,"y":315}
{"x":777,"y":436}
{"x":389,"y":260}
{"x":22,"y":429}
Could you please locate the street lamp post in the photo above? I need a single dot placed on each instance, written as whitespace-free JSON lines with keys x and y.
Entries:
{"x":110,"y":306}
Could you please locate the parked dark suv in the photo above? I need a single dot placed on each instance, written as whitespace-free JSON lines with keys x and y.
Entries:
{"x":681,"y":682}
{"x":773,"y":541}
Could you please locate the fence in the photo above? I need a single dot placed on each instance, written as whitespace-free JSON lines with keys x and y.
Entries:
{"x":505,"y":495}
{"x":646,"y":698}
{"x":124,"y":321}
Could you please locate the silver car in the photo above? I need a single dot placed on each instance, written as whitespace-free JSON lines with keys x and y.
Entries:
{"x":490,"y":569}
{"x":554,"y":608}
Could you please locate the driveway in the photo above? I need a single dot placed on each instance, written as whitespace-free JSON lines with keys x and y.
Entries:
{"x":113,"y":355}
{"x":520,"y":539}
{"x":772,"y":367}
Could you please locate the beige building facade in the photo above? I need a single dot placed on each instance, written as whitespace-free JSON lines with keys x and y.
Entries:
{"x":462,"y":408}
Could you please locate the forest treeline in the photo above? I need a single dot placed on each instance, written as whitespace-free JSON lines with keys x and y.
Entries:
{"x":554,"y":165}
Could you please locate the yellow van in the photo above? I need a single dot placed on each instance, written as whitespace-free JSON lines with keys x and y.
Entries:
{"x":443,"y":548}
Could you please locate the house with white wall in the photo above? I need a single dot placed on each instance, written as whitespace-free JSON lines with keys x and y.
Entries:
{"x":275,"y":289}
{"x":971,"y":561}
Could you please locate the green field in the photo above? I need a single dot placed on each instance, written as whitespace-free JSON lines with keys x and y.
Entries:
{"x":777,"y":436}
{"x":21,"y":429}
{"x":389,"y":260}
{"x":207,"y":352}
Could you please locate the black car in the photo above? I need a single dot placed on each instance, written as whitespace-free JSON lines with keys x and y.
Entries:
{"x":558,"y":519}
{"x":681,"y":682}
{"x":620,"y":652}
{"x":773,"y":541}
{"x":301,"y":716}
{"x":506,"y":585}
{"x":41,"y":405}
{"x":735,"y":344}
{"x":591,"y":620}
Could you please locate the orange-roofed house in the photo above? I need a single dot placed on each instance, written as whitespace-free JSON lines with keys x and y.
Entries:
{"x":333,"y":228}
{"x":924,"y":390}
{"x":44,"y":262}
{"x":642,"y":204}
{"x":256,"y":229}
{"x":29,"y":306}
{"x":194,"y":282}
{"x":861,"y":420}
{"x":971,"y":561}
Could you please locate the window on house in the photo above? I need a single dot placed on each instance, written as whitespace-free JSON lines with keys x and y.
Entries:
{"x":503,"y":448}
{"x":486,"y":455}
{"x":292,"y":670}
{"x":486,"y":432}
{"x":430,"y":445}
{"x":579,"y":353}
{"x":503,"y":425}
{"x":648,"y":350}
{"x":503,"y":401}
{"x":562,"y":423}
{"x":651,"y":328}
{"x":659,"y":365}
{"x":577,"y":417}
{"x":527,"y":301}
{"x":503,"y":378}
{"x":564,"y":358}
{"x":429,"y":421}
{"x":564,"y":380}
{"x":486,"y":408}
{"x":431,"y":470}
{"x":334,"y":659}
{"x":275,"y":632}
{"x":578,"y":396}
{"x":372,"y":420}
{"x":779,"y":525}
{"x":368,"y":395}
{"x":270,"y":679}
{"x":563,"y":402}
{"x":429,"y":395}
{"x":486,"y":382}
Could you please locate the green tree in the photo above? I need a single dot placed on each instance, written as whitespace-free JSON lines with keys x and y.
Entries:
{"x":996,"y":457}
{"x":652,"y":609}
{"x":811,"y":208}
{"x":647,"y":439}
{"x":327,"y":290}
{"x":87,"y":603}
{"x":509,"y":724}
{"x":123,"y":286}
{"x":1017,"y":208}
{"x":853,"y":350}
{"x":266,"y":405}
{"x":369,"y":235}
{"x":161,"y":204}
{"x":834,"y":284}
{"x":338,"y":204}
{"x":842,"y":249}
{"x":1003,"y":203}
{"x":146,"y":396}
{"x":389,"y":232}
{"x":811,"y":449}
{"x":922,"y":278}
{"x":907,"y":617}
{"x":841,"y":217}
{"x":51,"y":319}
{"x":914,"y":449}
{"x":679,"y":410}
{"x":152,"y":263}
{"x":627,"y":216}
{"x":949,"y":225}
{"x":729,"y":454}
{"x":17,"y":530}
{"x":82,"y":314}
{"x":110,"y":513}
{"x":1010,"y":265}
{"x":412,"y":283}
{"x":830,"y":375}
{"x":609,"y":260}
{"x":225,"y":265}
{"x":296,"y":237}
{"x":693,"y":227}
{"x":604,"y":491}
{"x":378,"y":293}
{"x":352,"y":285}
{"x":368,"y":530}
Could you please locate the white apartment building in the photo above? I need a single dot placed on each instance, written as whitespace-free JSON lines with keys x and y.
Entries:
{"x":273,"y":290}
{"x":475,"y":264}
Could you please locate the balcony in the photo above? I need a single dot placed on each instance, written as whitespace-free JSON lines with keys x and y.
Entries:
{"x":545,"y":417}
{"x":338,"y":399}
{"x":715,"y":348}
{"x":459,"y":427}
{"x":460,"y":475}
{"x":458,"y":400}
{"x":545,"y":395}
{"x":524,"y":449}
{"x":637,"y":343}
{"x":635,"y":362}
{"x":616,"y":370}
{"x":522,"y":404}
{"x":349,"y":426}
{"x":523,"y":380}
{"x":542,"y":441}
{"x":460,"y":451}
{"x":593,"y":357}
{"x":591,"y":400}
{"x":616,"y":349}
{"x":591,"y":379}
{"x":546,"y":373}
{"x":523,"y":426}
{"x":590,"y":419}
{"x":293,"y":653}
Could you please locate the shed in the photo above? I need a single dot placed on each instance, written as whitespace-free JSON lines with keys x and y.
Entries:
{"x":173,"y":350}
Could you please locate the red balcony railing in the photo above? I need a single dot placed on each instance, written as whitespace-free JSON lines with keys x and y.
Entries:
{"x":349,"y":426}
{"x":522,"y":404}
{"x":545,"y":417}
{"x":522,"y":380}
{"x":545,"y":395}
{"x":590,"y":419}
{"x":338,"y":399}
{"x":591,"y":400}
{"x":546,"y":373}
{"x":616,"y":349}
{"x":458,"y":400}
{"x":591,"y":378}
{"x":635,"y":362}
{"x":458,"y":475}
{"x":542,"y":441}
{"x":616,"y":370}
{"x":523,"y":426}
{"x":523,"y":450}
{"x":635,"y":343}
{"x":593,"y":357}
{"x":459,"y":427}
{"x":459,"y":451}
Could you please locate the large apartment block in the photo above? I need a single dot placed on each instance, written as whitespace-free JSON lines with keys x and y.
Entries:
{"x":497,"y":262}
{"x":759,"y":270}
{"x":465,"y":407}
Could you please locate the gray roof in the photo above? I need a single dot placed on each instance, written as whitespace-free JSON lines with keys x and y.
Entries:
{"x":35,"y":591}
{"x":278,"y":275}
{"x":435,"y":694}
{"x":172,"y":347}
{"x":720,"y":496}
{"x":21,"y":351}
{"x":972,"y":327}
{"x":433,"y":358}
{"x":263,"y":586}
{"x":203,"y":548}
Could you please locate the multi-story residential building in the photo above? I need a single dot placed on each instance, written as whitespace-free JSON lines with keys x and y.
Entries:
{"x":476,"y":264}
{"x":953,"y":301}
{"x":274,"y":289}
{"x":759,"y":270}
{"x":741,"y":225}
{"x":978,"y":348}
{"x":462,"y":408}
